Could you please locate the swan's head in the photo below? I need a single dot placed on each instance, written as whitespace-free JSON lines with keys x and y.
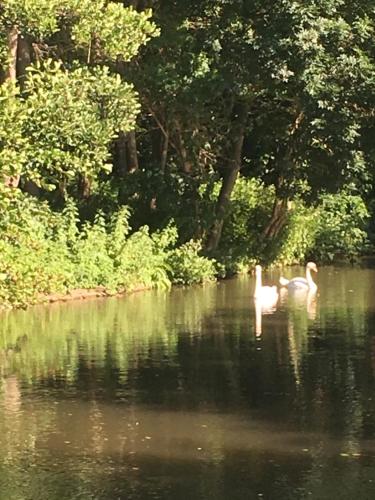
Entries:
{"x":258,"y":269}
{"x":312,"y":266}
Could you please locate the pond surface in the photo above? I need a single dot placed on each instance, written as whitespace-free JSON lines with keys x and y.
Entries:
{"x":192,"y":394}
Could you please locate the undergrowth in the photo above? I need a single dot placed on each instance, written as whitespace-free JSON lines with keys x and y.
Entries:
{"x":44,"y":252}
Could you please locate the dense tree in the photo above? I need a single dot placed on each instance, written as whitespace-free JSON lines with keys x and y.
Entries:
{"x":301,"y":74}
{"x":67,"y":117}
{"x":98,"y":107}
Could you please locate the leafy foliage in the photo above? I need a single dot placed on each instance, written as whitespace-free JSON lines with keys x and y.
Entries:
{"x":341,"y":228}
{"x":12,"y":140}
{"x":39,"y":17}
{"x":249,"y":212}
{"x":188,"y":267}
{"x":298,"y":239}
{"x":44,"y":252}
{"x":110,"y":29}
{"x":72,"y":118}
{"x":117,"y":30}
{"x":335,"y":227}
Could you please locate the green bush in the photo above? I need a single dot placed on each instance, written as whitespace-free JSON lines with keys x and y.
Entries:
{"x":297,"y":240}
{"x":341,"y":227}
{"x":142,"y":261}
{"x":33,"y":258}
{"x":186,"y":266}
{"x":249,"y":210}
{"x":43,"y":252}
{"x":335,"y":227}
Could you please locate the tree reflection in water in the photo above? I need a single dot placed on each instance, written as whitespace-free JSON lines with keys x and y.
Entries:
{"x":157,"y":394}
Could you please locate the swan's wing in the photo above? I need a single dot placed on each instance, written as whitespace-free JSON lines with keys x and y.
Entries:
{"x":299,"y":282}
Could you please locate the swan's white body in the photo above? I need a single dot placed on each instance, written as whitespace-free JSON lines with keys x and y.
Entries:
{"x":300,"y":283}
{"x":265,"y":294}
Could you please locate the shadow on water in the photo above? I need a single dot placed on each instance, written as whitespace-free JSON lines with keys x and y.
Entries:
{"x":195,"y":393}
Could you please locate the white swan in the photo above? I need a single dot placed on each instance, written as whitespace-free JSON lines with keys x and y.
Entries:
{"x":300,"y":283}
{"x":266,"y":294}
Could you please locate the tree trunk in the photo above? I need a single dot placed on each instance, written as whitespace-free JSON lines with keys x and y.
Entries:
{"x":30,"y":187}
{"x":62,"y":193}
{"x":160,"y":146}
{"x":229,"y":177}
{"x":84,"y":187}
{"x":164,"y":153}
{"x":281,"y":204}
{"x":156,"y":140}
{"x":186,"y":164}
{"x":19,"y":51}
{"x":140,"y":4}
{"x":23,"y":58}
{"x":134,"y":4}
{"x":12,"y":39}
{"x":132,"y":152}
{"x":120,"y":158}
{"x":278,"y":219}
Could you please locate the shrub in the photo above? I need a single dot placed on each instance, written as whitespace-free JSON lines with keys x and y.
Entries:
{"x":336,"y":226}
{"x":250,"y":208}
{"x":249,"y":211}
{"x":142,"y":261}
{"x":341,"y":227}
{"x":297,"y":240}
{"x":43,"y":252}
{"x":186,"y":266}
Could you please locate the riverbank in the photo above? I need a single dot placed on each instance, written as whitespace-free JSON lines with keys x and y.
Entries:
{"x":48,"y":255}
{"x":87,"y":293}
{"x":44,"y":254}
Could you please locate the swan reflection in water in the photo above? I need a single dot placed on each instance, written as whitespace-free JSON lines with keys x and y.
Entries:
{"x":300,"y":300}
{"x":263,"y":307}
{"x":301,"y":305}
{"x":265,"y":300}
{"x":302,"y":311}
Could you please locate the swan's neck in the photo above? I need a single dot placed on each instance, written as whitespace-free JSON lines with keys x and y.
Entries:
{"x":309,"y":279}
{"x":258,"y":282}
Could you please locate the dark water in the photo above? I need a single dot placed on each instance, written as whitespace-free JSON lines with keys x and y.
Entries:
{"x":184,"y":395}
